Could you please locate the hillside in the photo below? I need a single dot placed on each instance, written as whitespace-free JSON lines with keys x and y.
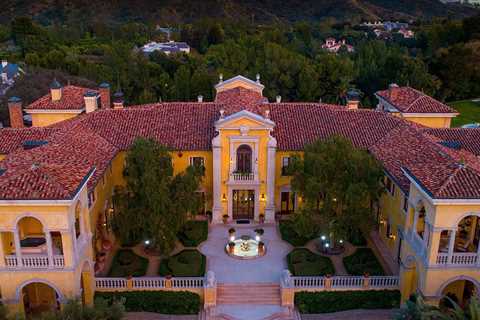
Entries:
{"x":178,"y":11}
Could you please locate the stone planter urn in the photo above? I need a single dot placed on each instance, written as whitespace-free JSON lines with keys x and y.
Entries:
{"x":231,"y":247}
{"x":261,"y":218}
{"x":225,"y":218}
{"x":261,"y":248}
{"x":231,"y":234}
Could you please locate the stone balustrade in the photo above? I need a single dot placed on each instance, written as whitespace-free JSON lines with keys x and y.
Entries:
{"x":338,"y":283}
{"x":458,"y":259}
{"x":34,"y":261}
{"x":148,"y":283}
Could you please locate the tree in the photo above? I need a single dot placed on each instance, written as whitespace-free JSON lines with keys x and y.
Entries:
{"x":338,"y":183}
{"x":416,"y":309}
{"x":155,"y":203}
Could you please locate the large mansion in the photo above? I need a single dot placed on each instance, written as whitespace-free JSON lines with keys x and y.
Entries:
{"x":57,"y":177}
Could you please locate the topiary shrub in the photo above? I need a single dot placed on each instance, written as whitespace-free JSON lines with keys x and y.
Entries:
{"x":362,"y":261}
{"x":165,"y":302}
{"x":288,"y":233}
{"x":193,"y":233}
{"x":303,"y":262}
{"x":127,"y":263}
{"x":187,"y":263}
{"x":334,"y":301}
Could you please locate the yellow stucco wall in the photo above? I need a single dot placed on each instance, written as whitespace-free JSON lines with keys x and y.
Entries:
{"x":46,"y":119}
{"x":432,"y":122}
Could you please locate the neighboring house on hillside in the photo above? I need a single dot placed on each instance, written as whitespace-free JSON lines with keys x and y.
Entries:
{"x":333,"y":46}
{"x":166,"y":47}
{"x":406,"y":33}
{"x":8,"y":73}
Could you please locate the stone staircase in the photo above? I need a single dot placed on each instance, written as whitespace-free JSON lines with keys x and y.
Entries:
{"x":249,"y":293}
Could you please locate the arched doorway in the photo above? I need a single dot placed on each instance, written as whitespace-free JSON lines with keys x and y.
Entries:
{"x":244,"y":159}
{"x":460,"y":291}
{"x":467,"y":235}
{"x":39,"y":297}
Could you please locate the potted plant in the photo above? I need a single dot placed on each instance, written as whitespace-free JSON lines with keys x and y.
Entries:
{"x":261,"y":217}
{"x":231,"y":247}
{"x":259,"y":231}
{"x":261,"y":248}
{"x":101,"y":257}
{"x":231,"y":234}
{"x":225,"y":218}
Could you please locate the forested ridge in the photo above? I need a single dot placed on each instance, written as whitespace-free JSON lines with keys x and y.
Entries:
{"x":443,"y":59}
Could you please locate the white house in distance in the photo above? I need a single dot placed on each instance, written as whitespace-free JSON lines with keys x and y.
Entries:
{"x":8,"y":73}
{"x":166,"y":47}
{"x":333,"y":46}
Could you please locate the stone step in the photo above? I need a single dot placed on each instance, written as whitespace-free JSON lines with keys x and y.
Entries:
{"x":251,"y":293}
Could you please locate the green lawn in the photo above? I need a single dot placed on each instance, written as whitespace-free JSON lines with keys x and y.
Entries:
{"x":362,"y":261}
{"x":303,"y":262}
{"x":127,"y":263}
{"x":193,"y":233}
{"x":469,"y":112}
{"x":188,"y":263}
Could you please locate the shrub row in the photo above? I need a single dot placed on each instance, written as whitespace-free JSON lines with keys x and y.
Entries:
{"x":334,"y":301}
{"x":362,"y":261}
{"x":165,"y":302}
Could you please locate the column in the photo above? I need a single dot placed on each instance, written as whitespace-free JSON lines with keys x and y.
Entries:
{"x":2,"y":252}
{"x":270,"y":207}
{"x":217,"y":180}
{"x":415,"y":221}
{"x":451,"y":245}
{"x":48,"y":237}
{"x":433,"y":247}
{"x":18,"y":248}
{"x":68,"y":249}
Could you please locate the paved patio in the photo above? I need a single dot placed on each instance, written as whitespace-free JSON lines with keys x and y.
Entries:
{"x":230,"y":270}
{"x":353,"y":315}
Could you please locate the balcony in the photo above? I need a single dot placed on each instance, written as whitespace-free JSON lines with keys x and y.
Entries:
{"x":34,"y":261}
{"x":243,"y":178}
{"x":458,"y":259}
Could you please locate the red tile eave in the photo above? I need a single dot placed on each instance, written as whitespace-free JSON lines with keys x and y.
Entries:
{"x":72,"y":99}
{"x":93,"y":140}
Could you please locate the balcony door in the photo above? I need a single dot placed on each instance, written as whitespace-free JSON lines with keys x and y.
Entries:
{"x":244,"y":159}
{"x":243,"y":204}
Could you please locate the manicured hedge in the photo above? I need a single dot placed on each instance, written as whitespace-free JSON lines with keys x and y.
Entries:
{"x":193,"y":233}
{"x":362,"y":261}
{"x":333,"y":301}
{"x":303,"y":262}
{"x":127,"y":263}
{"x":165,"y":302}
{"x":187,"y":263}
{"x":290,"y":235}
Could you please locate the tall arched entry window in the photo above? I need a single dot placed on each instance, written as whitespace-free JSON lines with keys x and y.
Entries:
{"x":244,"y":159}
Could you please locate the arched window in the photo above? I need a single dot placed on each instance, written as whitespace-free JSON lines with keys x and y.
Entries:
{"x":244,"y":159}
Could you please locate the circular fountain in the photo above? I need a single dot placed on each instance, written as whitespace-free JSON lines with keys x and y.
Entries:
{"x":245,"y":247}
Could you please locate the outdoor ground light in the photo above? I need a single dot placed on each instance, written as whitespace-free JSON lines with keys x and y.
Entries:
{"x":232,"y":238}
{"x":327,"y":245}
{"x":341,"y":241}
{"x":147,"y":242}
{"x":323,"y":238}
{"x":257,"y":238}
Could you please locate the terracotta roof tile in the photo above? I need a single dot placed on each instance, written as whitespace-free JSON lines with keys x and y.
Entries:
{"x":72,"y":99}
{"x":409,"y":100}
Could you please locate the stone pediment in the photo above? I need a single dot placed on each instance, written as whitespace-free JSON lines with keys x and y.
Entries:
{"x":244,"y":120}
{"x":239,"y":81}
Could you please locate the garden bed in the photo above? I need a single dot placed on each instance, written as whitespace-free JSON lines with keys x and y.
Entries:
{"x":303,"y":262}
{"x":127,"y":263}
{"x":193,"y":233}
{"x":188,"y":263}
{"x":291,"y":236}
{"x":165,"y":302}
{"x":334,"y":301}
{"x":362,"y":261}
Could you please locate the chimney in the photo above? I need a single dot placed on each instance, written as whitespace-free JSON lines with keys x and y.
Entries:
{"x":391,"y":90}
{"x":104,"y":89}
{"x":15,"y":111}
{"x":353,"y":99}
{"x":56,"y":90}
{"x":91,"y":101}
{"x":279,"y":99}
{"x":200,"y":98}
{"x":118,"y":101}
